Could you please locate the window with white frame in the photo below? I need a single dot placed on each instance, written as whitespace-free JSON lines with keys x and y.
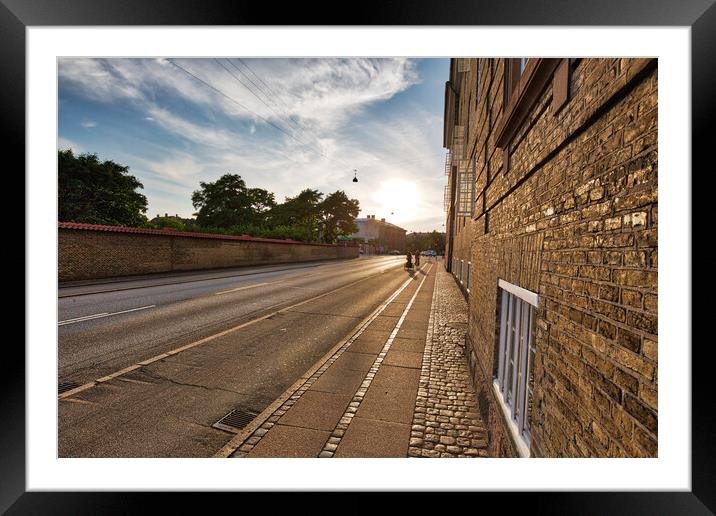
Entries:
{"x":462,"y":263}
{"x":514,"y":379}
{"x":469,"y":275}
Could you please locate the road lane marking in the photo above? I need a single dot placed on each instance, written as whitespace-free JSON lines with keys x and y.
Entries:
{"x":244,"y":288}
{"x":83,"y":318}
{"x":365,"y":385}
{"x":61,"y":295}
{"x":155,"y":358}
{"x":103,"y":314}
{"x":302,"y":277}
{"x":231,"y":446}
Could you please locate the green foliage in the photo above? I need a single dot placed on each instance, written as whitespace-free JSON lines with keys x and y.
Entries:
{"x":425,"y":241}
{"x":227,"y":206}
{"x":302,"y":211}
{"x":228,"y":202}
{"x":278,"y":232}
{"x":338,"y":215}
{"x":97,"y":192}
{"x":168,"y":222}
{"x":104,"y":193}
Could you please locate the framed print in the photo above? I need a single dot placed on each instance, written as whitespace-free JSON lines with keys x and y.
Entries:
{"x":494,"y":328}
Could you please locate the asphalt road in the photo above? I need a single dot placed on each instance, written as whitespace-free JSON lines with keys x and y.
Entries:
{"x":166,"y":408}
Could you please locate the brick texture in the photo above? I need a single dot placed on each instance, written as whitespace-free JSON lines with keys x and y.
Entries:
{"x":91,"y":254}
{"x":574,"y":219}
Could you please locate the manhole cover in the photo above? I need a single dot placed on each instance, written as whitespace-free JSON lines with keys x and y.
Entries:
{"x":66,"y":386}
{"x":235,"y":420}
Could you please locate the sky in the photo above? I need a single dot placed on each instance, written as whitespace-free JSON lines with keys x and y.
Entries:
{"x":281,"y":124}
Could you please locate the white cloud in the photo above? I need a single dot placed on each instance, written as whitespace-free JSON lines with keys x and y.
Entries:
{"x":316,"y":100}
{"x":88,"y":124}
{"x":298,"y":93}
{"x":66,"y":143}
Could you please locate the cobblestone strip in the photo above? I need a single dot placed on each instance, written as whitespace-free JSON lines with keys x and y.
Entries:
{"x":445,"y":421}
{"x":339,"y":431}
{"x":254,"y":437}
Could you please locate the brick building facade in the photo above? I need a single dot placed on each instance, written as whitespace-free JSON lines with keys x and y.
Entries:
{"x":558,"y":160}
{"x":459,"y":169}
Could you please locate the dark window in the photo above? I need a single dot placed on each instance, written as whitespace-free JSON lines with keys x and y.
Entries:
{"x":514,"y":68}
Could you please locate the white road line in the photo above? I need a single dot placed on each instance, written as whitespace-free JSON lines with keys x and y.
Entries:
{"x":199,"y":342}
{"x":259,"y":420}
{"x":103,"y":314}
{"x":242,"y":288}
{"x":302,"y":277}
{"x":83,"y":318}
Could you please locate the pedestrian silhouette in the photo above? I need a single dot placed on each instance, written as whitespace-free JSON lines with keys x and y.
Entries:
{"x":417,"y":258}
{"x":409,"y":261}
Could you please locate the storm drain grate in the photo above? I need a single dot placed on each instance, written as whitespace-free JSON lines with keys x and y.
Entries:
{"x":235,"y":420}
{"x":66,"y":386}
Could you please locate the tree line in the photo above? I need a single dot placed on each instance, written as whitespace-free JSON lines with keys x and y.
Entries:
{"x":425,"y":241}
{"x":104,"y":192}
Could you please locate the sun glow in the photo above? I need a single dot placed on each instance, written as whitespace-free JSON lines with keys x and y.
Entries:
{"x":397,"y":200}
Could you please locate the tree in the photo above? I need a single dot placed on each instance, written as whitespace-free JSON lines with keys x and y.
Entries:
{"x":167,"y":222}
{"x":97,"y":192}
{"x":302,"y":212}
{"x":425,"y":241}
{"x":227,"y":202}
{"x":338,"y":215}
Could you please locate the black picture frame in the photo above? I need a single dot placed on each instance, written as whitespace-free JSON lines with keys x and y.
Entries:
{"x":699,"y":15}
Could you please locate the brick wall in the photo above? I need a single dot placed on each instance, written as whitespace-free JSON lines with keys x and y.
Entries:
{"x":459,"y":227}
{"x":90,"y":254}
{"x":574,"y":219}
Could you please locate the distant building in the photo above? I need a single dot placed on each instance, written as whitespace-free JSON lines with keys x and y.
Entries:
{"x":383,"y":235}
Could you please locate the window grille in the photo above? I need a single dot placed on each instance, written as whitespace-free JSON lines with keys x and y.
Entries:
{"x":514,"y":379}
{"x":446,"y":198}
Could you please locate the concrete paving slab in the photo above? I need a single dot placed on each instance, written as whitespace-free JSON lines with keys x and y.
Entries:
{"x":384,"y":323}
{"x":372,"y":438}
{"x":354,"y":361}
{"x":403,"y":359}
{"x":317,"y":410}
{"x":410,"y":333}
{"x":390,"y":377}
{"x":369,"y":344}
{"x":417,"y":318}
{"x":290,"y":441}
{"x":395,"y":309}
{"x":412,"y":345}
{"x":339,"y":381}
{"x":392,"y":404}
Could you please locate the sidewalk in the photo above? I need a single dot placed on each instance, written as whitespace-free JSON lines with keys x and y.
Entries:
{"x":397,"y":387}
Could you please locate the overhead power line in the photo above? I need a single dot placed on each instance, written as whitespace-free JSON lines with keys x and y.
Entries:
{"x":242,"y":106}
{"x":267,"y":92}
{"x":271,"y":91}
{"x":249,"y":89}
